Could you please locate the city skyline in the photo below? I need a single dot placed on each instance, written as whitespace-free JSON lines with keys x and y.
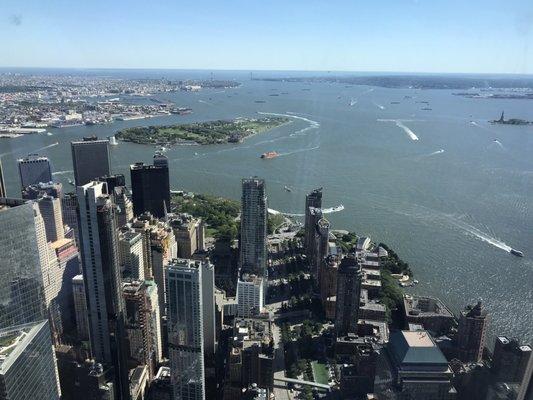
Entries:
{"x":410,"y":36}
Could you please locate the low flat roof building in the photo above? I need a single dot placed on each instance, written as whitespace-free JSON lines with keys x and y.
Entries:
{"x":429,"y":312}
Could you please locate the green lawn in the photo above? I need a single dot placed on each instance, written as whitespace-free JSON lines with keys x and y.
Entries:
{"x":320,"y":372}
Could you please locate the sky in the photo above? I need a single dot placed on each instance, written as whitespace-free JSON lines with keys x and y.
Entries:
{"x":469,"y":36}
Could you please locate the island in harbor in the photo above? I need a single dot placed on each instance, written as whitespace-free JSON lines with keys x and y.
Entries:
{"x":210,"y":132}
{"x":512,"y":121}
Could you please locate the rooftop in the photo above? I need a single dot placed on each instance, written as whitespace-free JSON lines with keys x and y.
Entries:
{"x":416,"y":347}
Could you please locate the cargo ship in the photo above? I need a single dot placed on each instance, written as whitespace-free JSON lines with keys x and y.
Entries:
{"x":269,"y":154}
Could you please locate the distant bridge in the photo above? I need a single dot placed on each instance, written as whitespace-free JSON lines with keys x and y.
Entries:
{"x":304,"y":383}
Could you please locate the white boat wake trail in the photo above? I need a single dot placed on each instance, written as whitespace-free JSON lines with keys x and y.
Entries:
{"x":480,"y":234}
{"x":62,"y":172}
{"x":435,"y":153}
{"x":301,"y":132}
{"x":433,"y":216}
{"x":330,"y":210}
{"x":400,"y":124}
{"x":406,"y":129}
{"x":299,"y":151}
{"x":379,"y":106}
{"x":46,"y":147}
{"x":498,"y":143}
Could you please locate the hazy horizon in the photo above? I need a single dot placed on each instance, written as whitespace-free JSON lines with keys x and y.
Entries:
{"x":411,"y":36}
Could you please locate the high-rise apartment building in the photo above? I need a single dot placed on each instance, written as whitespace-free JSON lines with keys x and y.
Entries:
{"x":189,"y":234}
{"x":472,"y":332}
{"x":80,"y":307}
{"x":90,"y":159}
{"x":28,"y":368}
{"x":34,"y":169}
{"x":253,"y":246}
{"x":250,"y":295}
{"x":131,"y":254}
{"x":101,"y":275}
{"x":142,"y":323}
{"x":150,"y":187}
{"x":349,"y":277}
{"x":116,"y":187}
{"x":186,"y":329}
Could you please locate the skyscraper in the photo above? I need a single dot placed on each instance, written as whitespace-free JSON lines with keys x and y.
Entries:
{"x":101,"y":275}
{"x":80,"y":307}
{"x":27,"y":363}
{"x":90,"y":159}
{"x":472,"y":332}
{"x":69,"y":208}
{"x":349,"y":278}
{"x":131,"y":254}
{"x":31,"y":368}
{"x":208,"y":304}
{"x":151,"y":187}
{"x":142,"y":323}
{"x":34,"y":169}
{"x":186,"y":329}
{"x":50,"y":208}
{"x":253,"y":246}
{"x":21,"y":282}
{"x":313,"y":200}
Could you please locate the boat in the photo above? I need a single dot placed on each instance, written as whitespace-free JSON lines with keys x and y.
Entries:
{"x":71,"y":182}
{"x":260,"y":101}
{"x":49,"y":134}
{"x":269,"y":154}
{"x":288,"y":189}
{"x":113,"y":140}
{"x":516,"y":253}
{"x":426,"y":109}
{"x":395,"y":102}
{"x":353,"y":102}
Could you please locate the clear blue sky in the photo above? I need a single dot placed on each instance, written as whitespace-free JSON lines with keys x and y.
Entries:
{"x":348,"y":35}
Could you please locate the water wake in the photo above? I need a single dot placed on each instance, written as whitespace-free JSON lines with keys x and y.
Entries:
{"x":498,"y":143}
{"x":379,"y":106}
{"x":46,"y":147}
{"x":62,"y":172}
{"x":324,"y":211}
{"x":473,"y":231}
{"x":406,"y":129}
{"x":434,"y":216}
{"x":435,"y":153}
{"x":299,"y":151}
{"x":301,"y":132}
